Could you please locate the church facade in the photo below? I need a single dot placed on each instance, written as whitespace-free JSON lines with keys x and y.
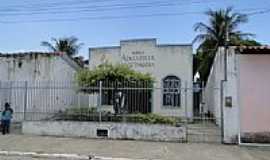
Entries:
{"x":169,"y":64}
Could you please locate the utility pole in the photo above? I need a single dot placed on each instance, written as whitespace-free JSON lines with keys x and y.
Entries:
{"x":227,"y":43}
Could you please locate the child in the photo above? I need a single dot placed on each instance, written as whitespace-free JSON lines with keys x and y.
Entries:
{"x":6,"y":119}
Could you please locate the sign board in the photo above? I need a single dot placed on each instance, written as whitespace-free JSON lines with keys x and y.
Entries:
{"x":138,"y":59}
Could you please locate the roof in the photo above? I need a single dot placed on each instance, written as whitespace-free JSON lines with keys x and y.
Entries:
{"x":70,"y":61}
{"x":22,"y":54}
{"x":175,"y":45}
{"x":253,"y":49}
{"x":154,"y":40}
{"x":139,"y":40}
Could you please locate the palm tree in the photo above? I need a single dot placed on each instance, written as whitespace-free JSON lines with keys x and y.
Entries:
{"x":213,"y":35}
{"x":220,"y":22}
{"x":69,"y":45}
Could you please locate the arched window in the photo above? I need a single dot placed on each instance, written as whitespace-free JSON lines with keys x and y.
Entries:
{"x":171,"y":91}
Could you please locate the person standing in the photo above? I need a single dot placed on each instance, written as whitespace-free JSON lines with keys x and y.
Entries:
{"x":6,"y":119}
{"x":119,"y":103}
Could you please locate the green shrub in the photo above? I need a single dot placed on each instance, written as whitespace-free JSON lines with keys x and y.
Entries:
{"x":81,"y":110}
{"x":91,"y":114}
{"x":152,"y":119}
{"x":79,"y":114}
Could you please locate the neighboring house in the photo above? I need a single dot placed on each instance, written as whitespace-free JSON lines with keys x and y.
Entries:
{"x":37,"y":66}
{"x":169,"y":64}
{"x":245,"y":99}
{"x":37,"y":82}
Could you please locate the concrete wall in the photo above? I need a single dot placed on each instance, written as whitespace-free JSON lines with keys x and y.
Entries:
{"x":254,"y":93}
{"x":231,"y":113}
{"x":212,"y":92}
{"x":35,"y":67}
{"x":213,"y":99}
{"x":146,"y":56}
{"x":99,"y":56}
{"x":115,"y":130}
{"x":38,"y":82}
{"x":248,"y":86}
{"x":174,"y":60}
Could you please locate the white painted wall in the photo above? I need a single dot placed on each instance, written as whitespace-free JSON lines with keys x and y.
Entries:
{"x":212,"y":89}
{"x":35,"y":67}
{"x":163,"y":60}
{"x":230,"y":89}
{"x":43,"y":83}
{"x":174,"y":60}
{"x":231,"y":114}
{"x":98,"y":56}
{"x":115,"y":130}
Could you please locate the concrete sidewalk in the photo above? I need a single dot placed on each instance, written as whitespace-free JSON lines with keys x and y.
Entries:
{"x":131,"y":149}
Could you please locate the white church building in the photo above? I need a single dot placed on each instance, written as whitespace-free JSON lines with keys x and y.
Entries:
{"x":169,"y":64}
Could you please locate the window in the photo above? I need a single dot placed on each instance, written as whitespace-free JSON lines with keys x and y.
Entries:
{"x":171,"y":91}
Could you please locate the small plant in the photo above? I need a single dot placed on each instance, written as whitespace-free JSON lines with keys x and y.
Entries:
{"x":152,"y":119}
{"x":79,"y":114}
{"x":91,"y":114}
{"x":80,"y":110}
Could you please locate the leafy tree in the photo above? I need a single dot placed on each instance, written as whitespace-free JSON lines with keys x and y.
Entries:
{"x":246,"y":42}
{"x":119,"y":74}
{"x":213,"y":34}
{"x":69,"y":45}
{"x":119,"y":79}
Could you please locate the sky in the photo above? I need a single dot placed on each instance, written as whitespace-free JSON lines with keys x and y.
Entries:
{"x":25,"y":23}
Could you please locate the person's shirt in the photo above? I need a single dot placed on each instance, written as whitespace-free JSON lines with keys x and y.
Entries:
{"x":6,"y":115}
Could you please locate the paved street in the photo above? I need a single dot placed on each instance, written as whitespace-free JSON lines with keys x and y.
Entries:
{"x":129,"y":149}
{"x":21,"y":158}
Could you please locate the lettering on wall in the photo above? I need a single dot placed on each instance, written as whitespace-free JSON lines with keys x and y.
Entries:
{"x":139,"y":59}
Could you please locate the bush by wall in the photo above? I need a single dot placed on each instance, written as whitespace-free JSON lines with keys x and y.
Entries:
{"x":91,"y":114}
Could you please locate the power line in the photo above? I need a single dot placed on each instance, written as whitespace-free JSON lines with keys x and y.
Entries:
{"x":74,"y":4}
{"x":101,"y":18}
{"x":116,"y":17}
{"x":256,"y":12}
{"x":114,"y":7}
{"x":101,"y":8}
{"x":66,"y":3}
{"x":259,"y":12}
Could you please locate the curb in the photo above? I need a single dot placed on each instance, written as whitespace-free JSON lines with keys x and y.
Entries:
{"x":54,"y":156}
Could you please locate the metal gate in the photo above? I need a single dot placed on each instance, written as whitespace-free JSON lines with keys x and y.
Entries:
{"x":204,"y":129}
{"x":205,"y":126}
